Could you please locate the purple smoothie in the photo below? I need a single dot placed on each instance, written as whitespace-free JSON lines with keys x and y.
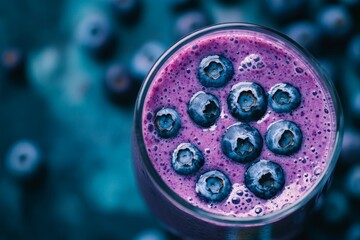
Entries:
{"x":175,"y":83}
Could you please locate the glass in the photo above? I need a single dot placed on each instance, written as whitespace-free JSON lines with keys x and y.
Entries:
{"x":192,"y":222}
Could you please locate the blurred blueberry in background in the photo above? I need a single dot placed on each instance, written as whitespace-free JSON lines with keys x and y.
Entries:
{"x":334,"y":21}
{"x":66,"y":170}
{"x":145,"y":57}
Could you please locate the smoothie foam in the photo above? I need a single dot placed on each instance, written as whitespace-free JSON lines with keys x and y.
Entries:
{"x":175,"y":83}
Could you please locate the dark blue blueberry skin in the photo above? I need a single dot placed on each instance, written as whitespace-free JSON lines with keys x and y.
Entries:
{"x":95,"y":34}
{"x":352,"y":182}
{"x":354,"y":51}
{"x":247,"y":101}
{"x":167,"y":122}
{"x":24,"y":159}
{"x":242,"y":143}
{"x":119,"y":85}
{"x":187,"y":159}
{"x":283,"y":137}
{"x":306,"y":33}
{"x":334,"y":21}
{"x":265,"y":179}
{"x":213,"y":186}
{"x":284,"y":98}
{"x":144,"y":59}
{"x":189,"y":22}
{"x":204,"y":109}
{"x":215,"y":71}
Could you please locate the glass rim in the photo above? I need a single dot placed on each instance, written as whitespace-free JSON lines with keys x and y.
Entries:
{"x":230,"y":220}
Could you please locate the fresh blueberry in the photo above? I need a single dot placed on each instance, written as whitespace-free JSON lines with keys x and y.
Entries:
{"x":189,"y":22}
{"x":242,"y":143}
{"x":118,"y":83}
{"x":265,"y":179}
{"x":305,"y":33}
{"x":215,"y":71}
{"x":284,"y":98}
{"x":204,"y":109}
{"x":187,"y":159}
{"x":283,"y":137}
{"x":24,"y":159}
{"x":167,"y":122}
{"x":213,"y":186}
{"x":95,"y":34}
{"x":247,"y":101}
{"x":145,"y":58}
{"x":335,"y":21}
{"x":354,"y":51}
{"x":352,"y":182}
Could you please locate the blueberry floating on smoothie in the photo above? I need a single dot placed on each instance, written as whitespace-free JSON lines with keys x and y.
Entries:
{"x":213,"y":186}
{"x":284,"y":98}
{"x":247,"y":101}
{"x":242,"y":143}
{"x":204,"y":109}
{"x":265,"y":179}
{"x":283,"y":137}
{"x":215,"y":71}
{"x":167,"y":122}
{"x":187,"y":159}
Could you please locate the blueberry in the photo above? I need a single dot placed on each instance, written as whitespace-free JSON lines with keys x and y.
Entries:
{"x":284,"y":98}
{"x":352,"y":182}
{"x":335,"y":21}
{"x":167,"y":122}
{"x":215,"y":71}
{"x":204,"y":109}
{"x":305,"y":33}
{"x":213,"y":186}
{"x":242,"y":143}
{"x":144,"y":58}
{"x":354,"y":51}
{"x":24,"y":159}
{"x":95,"y":34}
{"x":265,"y":179}
{"x":189,"y":22}
{"x":283,"y":137}
{"x":118,"y":83}
{"x":187,"y":159}
{"x":247,"y":101}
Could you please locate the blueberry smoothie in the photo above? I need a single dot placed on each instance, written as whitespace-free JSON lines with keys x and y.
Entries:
{"x":239,"y":124}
